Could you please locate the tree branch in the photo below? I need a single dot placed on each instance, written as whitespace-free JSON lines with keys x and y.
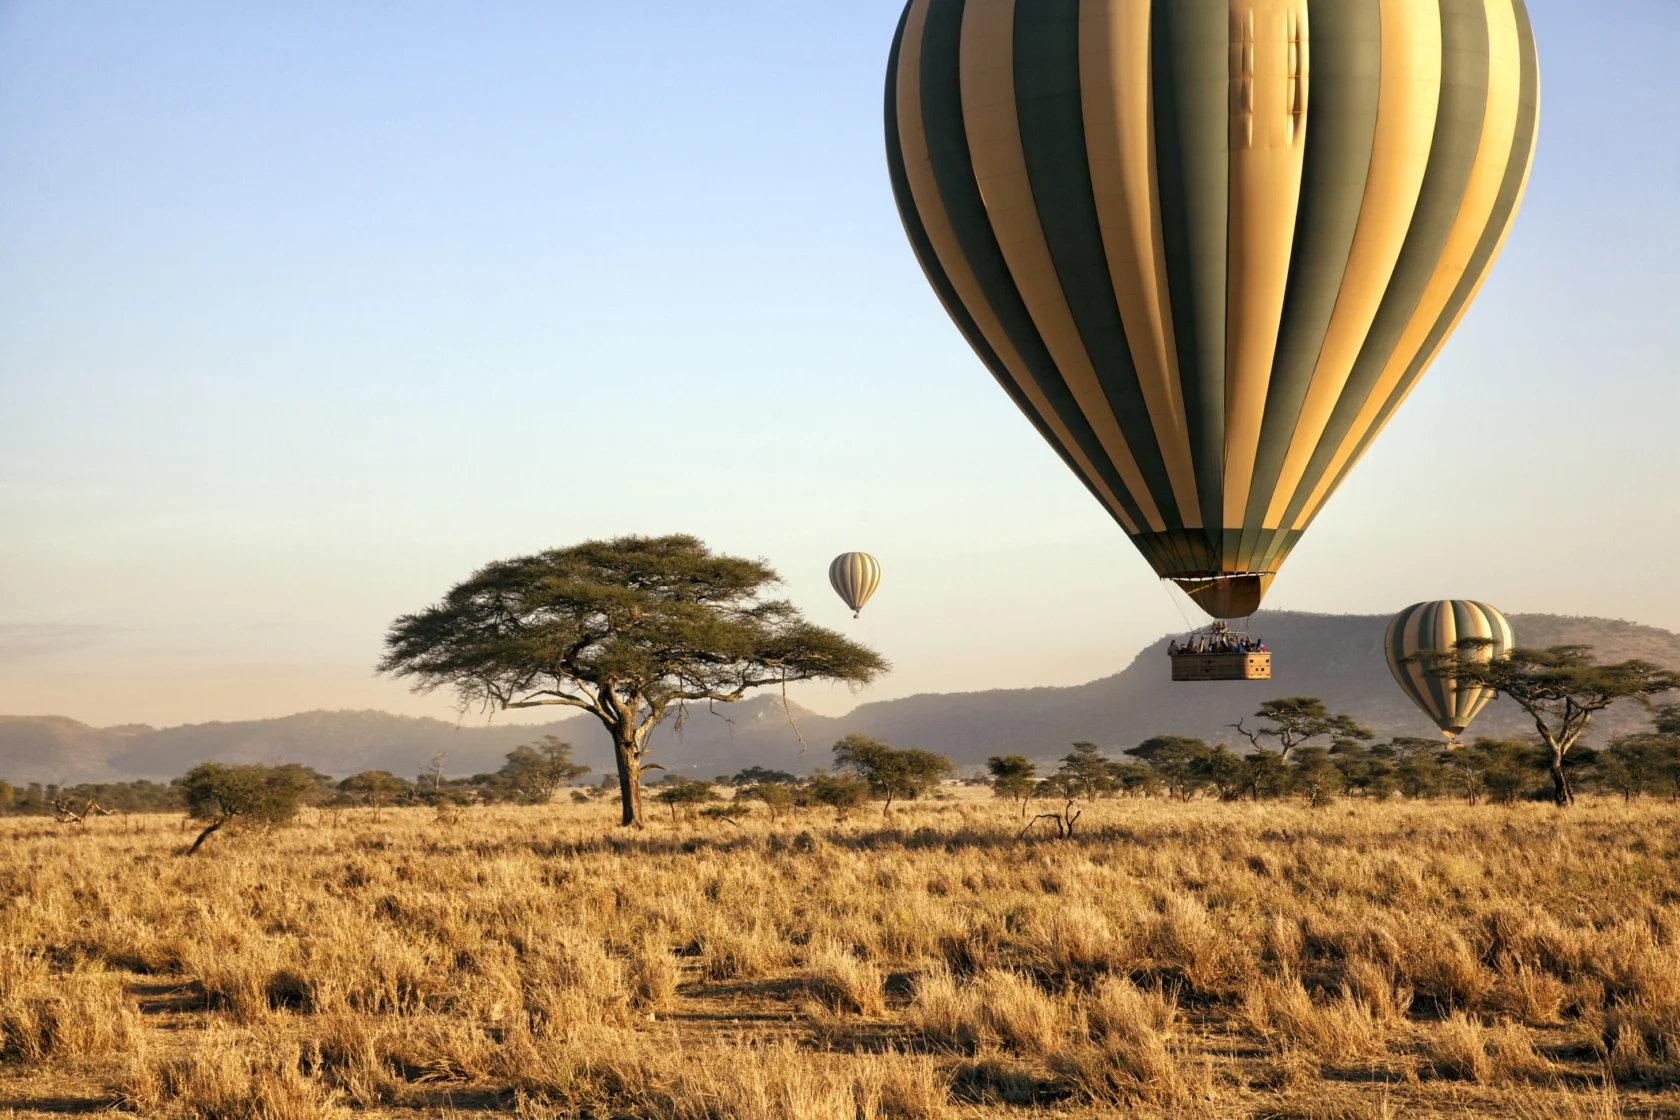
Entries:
{"x":1252,"y":736}
{"x":558,"y":701}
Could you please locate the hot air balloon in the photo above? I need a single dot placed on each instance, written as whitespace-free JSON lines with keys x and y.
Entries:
{"x":1209,"y":246}
{"x":1439,"y":626}
{"x":855,"y":576}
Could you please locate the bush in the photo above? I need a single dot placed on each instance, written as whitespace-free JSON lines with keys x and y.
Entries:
{"x":536,"y":771}
{"x":375,"y":789}
{"x":687,"y":793}
{"x":265,"y":795}
{"x":842,"y":791}
{"x":778,"y":797}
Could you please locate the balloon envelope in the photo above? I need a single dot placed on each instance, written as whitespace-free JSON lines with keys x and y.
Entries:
{"x":1209,"y":246}
{"x":1440,"y":626}
{"x":855,"y":576}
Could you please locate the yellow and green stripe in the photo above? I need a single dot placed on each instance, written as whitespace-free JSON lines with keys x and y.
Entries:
{"x":1208,"y":246}
{"x":1439,"y":627}
{"x":854,"y":577}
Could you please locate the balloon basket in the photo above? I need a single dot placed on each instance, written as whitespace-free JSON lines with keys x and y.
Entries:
{"x":1222,"y":667}
{"x":1219,"y":654}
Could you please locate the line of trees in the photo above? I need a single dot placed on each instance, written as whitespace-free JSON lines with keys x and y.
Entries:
{"x":218,"y":794}
{"x":1298,"y":748}
{"x":1347,"y":762}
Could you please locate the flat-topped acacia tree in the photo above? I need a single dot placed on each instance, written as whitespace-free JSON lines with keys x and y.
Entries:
{"x":628,"y":630}
{"x":1560,"y":687}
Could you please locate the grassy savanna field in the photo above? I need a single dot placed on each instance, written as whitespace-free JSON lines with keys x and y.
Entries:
{"x":1200,"y":959}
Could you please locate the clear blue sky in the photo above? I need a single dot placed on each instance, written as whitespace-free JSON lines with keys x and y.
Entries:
{"x":308,"y":309}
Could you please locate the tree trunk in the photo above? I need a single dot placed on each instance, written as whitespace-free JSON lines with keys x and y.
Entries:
{"x":205,"y":835}
{"x":1564,"y":795}
{"x":629,"y":778}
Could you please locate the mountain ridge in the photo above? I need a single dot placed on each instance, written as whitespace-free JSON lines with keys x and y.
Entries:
{"x":1335,"y":657}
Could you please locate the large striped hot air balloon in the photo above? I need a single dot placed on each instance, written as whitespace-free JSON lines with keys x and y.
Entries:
{"x":1209,"y":246}
{"x":1439,"y":626}
{"x":854,"y":577}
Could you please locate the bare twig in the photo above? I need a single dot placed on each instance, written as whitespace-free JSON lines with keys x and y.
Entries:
{"x":1064,"y":822}
{"x":68,"y":815}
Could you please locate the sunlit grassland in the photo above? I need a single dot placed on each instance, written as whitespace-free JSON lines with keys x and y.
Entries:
{"x":1200,"y":959}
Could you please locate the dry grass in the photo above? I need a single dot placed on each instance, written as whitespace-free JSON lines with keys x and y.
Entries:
{"x":73,"y":1017}
{"x":1201,"y":959}
{"x":1342,"y":1029}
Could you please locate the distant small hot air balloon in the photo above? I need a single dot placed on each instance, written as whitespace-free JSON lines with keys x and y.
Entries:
{"x":855,"y":576}
{"x":1440,"y":626}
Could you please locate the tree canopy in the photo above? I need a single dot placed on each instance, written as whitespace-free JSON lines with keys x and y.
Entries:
{"x":1181,"y":762}
{"x":1086,"y":772}
{"x":1294,"y":721}
{"x":630,"y":630}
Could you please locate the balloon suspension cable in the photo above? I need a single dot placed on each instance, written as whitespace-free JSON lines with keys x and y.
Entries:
{"x":1168,"y":587}
{"x":787,"y":709}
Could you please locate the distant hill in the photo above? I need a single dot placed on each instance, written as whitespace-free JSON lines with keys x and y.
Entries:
{"x":54,"y":749}
{"x":1335,"y":657}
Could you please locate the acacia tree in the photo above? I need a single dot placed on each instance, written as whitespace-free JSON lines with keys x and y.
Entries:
{"x":1315,"y":775}
{"x":1560,"y":688}
{"x":1013,"y":776}
{"x":376,"y":788}
{"x":1638,"y":764}
{"x":536,"y":770}
{"x":1087,"y":772}
{"x":630,"y":630}
{"x":889,"y":771}
{"x":687,"y":793}
{"x":1297,"y":720}
{"x":1181,"y":762}
{"x":267,"y":795}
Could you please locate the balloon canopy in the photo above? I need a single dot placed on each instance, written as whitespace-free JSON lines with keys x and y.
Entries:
{"x":1209,"y":246}
{"x":854,"y":577}
{"x":1440,"y":626}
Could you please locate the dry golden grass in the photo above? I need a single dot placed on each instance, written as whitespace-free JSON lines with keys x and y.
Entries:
{"x":1200,"y":960}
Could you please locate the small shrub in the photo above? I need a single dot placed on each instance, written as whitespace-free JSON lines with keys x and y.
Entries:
{"x":1014,"y":1011}
{"x":843,"y":982}
{"x":72,"y":1018}
{"x":1459,"y":1048}
{"x":225,"y":1078}
{"x":1342,"y":1028}
{"x":1122,"y":1010}
{"x":653,"y":974}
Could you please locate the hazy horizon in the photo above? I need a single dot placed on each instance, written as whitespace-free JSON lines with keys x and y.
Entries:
{"x":305,"y":314}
